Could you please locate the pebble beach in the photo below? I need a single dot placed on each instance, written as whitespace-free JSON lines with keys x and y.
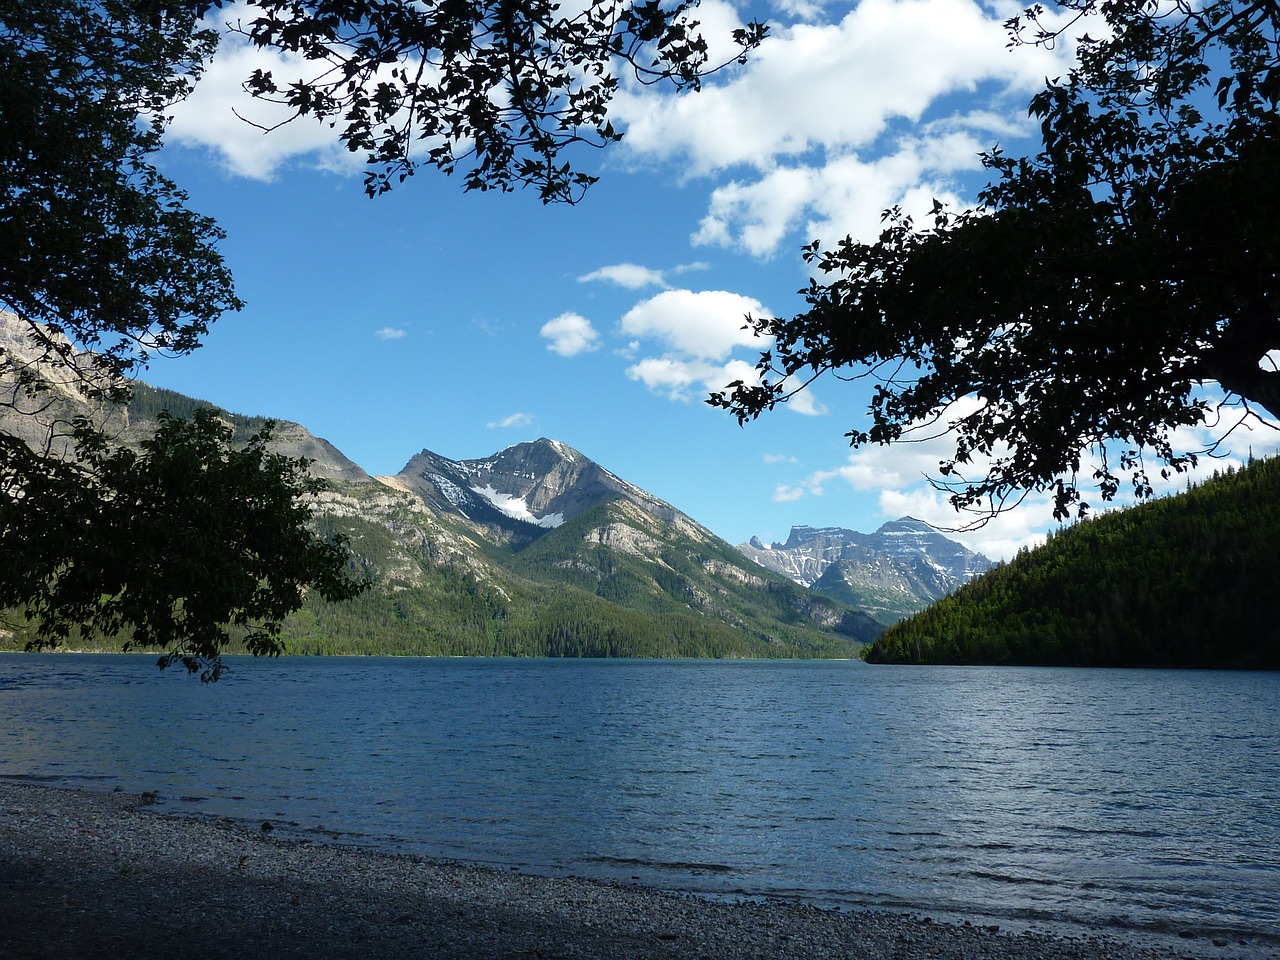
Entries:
{"x":87,"y":875}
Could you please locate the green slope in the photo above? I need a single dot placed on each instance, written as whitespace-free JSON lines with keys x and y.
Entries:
{"x":1188,"y":581}
{"x":563,"y":596}
{"x":657,"y":588}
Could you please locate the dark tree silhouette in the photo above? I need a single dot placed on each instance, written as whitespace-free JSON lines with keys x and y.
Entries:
{"x":1082,"y":305}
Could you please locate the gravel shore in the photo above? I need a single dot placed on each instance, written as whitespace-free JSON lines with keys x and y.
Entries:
{"x":86,"y":875}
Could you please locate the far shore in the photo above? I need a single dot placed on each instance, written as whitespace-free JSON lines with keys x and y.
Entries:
{"x":86,"y":875}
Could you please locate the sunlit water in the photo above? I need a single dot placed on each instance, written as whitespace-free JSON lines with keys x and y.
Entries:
{"x":1143,"y":801}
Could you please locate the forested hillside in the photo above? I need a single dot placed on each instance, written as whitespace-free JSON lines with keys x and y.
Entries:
{"x":1189,"y":581}
{"x":562,"y":596}
{"x":460,"y":565}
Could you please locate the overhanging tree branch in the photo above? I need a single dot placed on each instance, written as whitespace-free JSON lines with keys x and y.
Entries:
{"x":1096,"y":287}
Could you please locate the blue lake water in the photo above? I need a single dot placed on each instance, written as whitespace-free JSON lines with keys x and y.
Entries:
{"x":1143,"y":801}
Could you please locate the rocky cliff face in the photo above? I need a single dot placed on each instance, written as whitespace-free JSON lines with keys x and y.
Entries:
{"x":327,"y":461}
{"x":40,"y":420}
{"x":902,"y":567}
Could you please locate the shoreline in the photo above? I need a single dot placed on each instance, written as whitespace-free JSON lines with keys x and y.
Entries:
{"x":86,"y":875}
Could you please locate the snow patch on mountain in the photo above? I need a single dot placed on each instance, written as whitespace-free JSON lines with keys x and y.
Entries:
{"x":518,"y":509}
{"x":452,"y":492}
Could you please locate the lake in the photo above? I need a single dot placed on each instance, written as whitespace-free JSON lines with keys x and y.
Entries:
{"x":1143,"y":801}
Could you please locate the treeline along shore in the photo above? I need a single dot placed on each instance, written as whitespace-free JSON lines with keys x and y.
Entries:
{"x":87,"y":875}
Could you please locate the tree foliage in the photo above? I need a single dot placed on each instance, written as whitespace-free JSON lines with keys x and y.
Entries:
{"x":502,"y":86}
{"x":179,"y":545}
{"x":1063,"y":328}
{"x":105,"y":266}
{"x":103,"y":262}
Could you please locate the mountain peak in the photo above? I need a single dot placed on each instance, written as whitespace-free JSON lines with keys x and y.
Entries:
{"x":536,"y":483}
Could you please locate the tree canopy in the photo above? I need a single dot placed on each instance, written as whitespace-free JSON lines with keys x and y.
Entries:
{"x":184,"y":545}
{"x":106,"y":267}
{"x":501,"y":86}
{"x":1069,"y":323}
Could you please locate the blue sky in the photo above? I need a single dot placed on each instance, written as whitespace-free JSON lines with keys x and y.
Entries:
{"x":462,"y":323}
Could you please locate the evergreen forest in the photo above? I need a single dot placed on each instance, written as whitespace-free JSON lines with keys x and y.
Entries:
{"x":1185,"y":581}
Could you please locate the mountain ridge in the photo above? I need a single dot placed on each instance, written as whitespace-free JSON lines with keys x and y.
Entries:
{"x":481,"y":524}
{"x":533,"y":550}
{"x":899,"y":569}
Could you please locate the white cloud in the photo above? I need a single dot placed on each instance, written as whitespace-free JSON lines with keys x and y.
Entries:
{"x":679,"y":378}
{"x":779,"y":458}
{"x":804,"y":403}
{"x":208,"y":118}
{"x":697,"y":334}
{"x":706,"y":325}
{"x":845,"y":196}
{"x":763,"y":212}
{"x":1000,"y":538}
{"x":898,"y":473}
{"x":390,"y":333}
{"x":515,"y":420}
{"x":632,"y":276}
{"x":835,"y":85}
{"x":829,"y":124}
{"x":670,"y":376}
{"x":570,"y":334}
{"x":800,"y":9}
{"x":784,"y":494}
{"x":717,"y":20}
{"x":629,"y":275}
{"x":252,"y":137}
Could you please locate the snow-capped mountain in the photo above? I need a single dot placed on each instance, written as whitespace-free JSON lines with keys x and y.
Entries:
{"x":902,"y":567}
{"x":535,"y":550}
{"x":550,"y":551}
{"x":540,"y":483}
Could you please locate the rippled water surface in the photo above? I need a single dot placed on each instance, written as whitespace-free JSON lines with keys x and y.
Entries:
{"x":1141,"y":800}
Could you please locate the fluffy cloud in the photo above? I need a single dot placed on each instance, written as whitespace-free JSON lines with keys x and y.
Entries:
{"x":837,"y":121}
{"x":696,"y":332}
{"x":570,"y":334}
{"x":707,"y":325}
{"x":999,"y":538}
{"x":254,"y":138}
{"x":680,"y":378}
{"x":515,"y":420}
{"x":221,"y":117}
{"x":632,"y":276}
{"x":898,"y":473}
{"x":800,"y":9}
{"x":845,"y":196}
{"x":835,"y":85}
{"x":784,"y":494}
{"x":390,"y":333}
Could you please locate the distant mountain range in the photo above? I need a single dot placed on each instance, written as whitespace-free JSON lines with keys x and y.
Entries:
{"x":539,"y":550}
{"x":900,"y":569}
